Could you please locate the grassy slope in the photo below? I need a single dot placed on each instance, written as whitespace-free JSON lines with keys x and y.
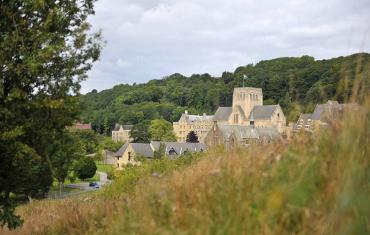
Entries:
{"x":315,"y":185}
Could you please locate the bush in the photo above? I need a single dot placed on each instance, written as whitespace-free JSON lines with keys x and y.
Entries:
{"x":85,"y":168}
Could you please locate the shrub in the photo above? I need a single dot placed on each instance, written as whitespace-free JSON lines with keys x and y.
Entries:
{"x":85,"y":168}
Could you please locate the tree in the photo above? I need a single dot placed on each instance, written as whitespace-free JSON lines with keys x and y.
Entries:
{"x":161,"y":130}
{"x":66,"y":150}
{"x":140,"y":132}
{"x":85,"y":168}
{"x":88,"y":139}
{"x":192,"y":137}
{"x":46,"y":50}
{"x":107,"y":143}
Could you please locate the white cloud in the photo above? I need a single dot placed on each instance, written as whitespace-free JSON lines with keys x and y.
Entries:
{"x":149,"y":39}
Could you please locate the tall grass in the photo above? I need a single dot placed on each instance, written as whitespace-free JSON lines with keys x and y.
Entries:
{"x":314,"y":185}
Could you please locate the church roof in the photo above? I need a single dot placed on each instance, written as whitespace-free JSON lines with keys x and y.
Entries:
{"x":248,"y":132}
{"x":223,"y":114}
{"x":263,"y":111}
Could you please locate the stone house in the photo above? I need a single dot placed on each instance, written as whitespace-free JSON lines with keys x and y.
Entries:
{"x":121,"y":133}
{"x":127,"y":153}
{"x":323,"y":115}
{"x":200,"y":124}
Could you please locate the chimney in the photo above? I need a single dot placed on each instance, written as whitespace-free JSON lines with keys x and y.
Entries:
{"x":204,"y":114}
{"x":186,"y":112}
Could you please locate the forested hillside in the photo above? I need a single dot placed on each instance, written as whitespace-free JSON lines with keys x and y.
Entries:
{"x":297,"y":84}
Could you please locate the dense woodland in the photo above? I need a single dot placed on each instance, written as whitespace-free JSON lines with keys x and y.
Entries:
{"x":297,"y":84}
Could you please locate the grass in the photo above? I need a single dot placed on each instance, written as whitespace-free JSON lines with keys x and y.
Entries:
{"x":104,"y":167}
{"x":318,"y":184}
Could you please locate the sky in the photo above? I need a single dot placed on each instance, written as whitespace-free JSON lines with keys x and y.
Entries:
{"x":150,"y":39}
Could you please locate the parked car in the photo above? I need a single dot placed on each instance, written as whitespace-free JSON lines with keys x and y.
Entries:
{"x":94,"y":185}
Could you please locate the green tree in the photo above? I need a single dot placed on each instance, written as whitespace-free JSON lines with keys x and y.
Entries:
{"x":161,"y":130}
{"x":192,"y":137}
{"x":107,"y":143}
{"x":46,"y":49}
{"x":66,"y":150}
{"x":140,"y":132}
{"x":85,"y":168}
{"x":88,"y":139}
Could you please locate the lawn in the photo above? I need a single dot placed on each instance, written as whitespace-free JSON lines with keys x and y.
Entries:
{"x":104,"y":167}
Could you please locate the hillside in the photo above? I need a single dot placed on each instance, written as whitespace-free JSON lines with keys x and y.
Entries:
{"x":294,"y":83}
{"x":313,"y":185}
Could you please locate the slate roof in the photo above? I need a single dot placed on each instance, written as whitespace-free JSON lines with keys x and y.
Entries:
{"x":223,"y":114}
{"x":263,"y":111}
{"x":194,"y":118}
{"x":143,"y":149}
{"x":179,"y":148}
{"x":120,"y":152}
{"x":248,"y":132}
{"x":147,"y":150}
{"x":330,"y":106}
{"x":305,"y":116}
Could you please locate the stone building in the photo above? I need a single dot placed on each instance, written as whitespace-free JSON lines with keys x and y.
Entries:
{"x":121,"y":133}
{"x":323,"y":115}
{"x":200,"y":124}
{"x":248,"y":101}
{"x":128,"y":152}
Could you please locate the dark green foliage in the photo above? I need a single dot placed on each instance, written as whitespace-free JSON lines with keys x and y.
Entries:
{"x":192,"y":137}
{"x":85,"y":168}
{"x":45,"y":52}
{"x":64,"y":152}
{"x":89,"y":140}
{"x":291,"y":82}
{"x":140,"y":132}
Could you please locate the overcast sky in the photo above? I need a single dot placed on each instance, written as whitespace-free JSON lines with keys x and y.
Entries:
{"x":149,"y":39}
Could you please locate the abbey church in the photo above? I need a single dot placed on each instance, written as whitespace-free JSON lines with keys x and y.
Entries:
{"x":247,"y":114}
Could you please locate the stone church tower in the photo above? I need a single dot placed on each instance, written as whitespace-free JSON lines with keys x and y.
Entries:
{"x":245,"y":98}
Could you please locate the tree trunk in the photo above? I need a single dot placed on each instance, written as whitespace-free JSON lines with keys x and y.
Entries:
{"x":60,"y":187}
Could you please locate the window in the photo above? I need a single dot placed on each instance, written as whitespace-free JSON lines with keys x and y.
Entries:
{"x":129,"y":156}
